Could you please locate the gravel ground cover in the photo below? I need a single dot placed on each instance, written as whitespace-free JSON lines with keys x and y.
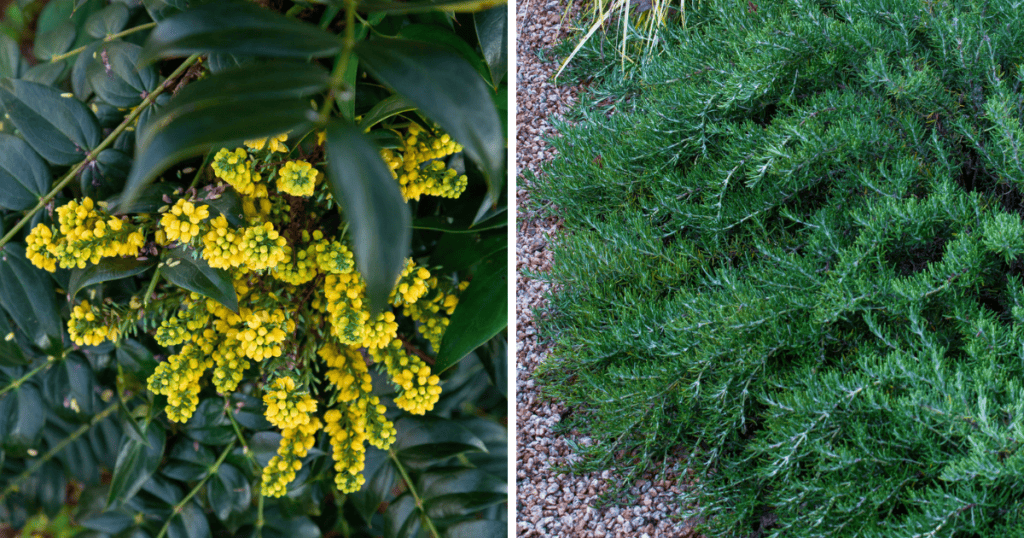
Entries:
{"x":551,"y":503}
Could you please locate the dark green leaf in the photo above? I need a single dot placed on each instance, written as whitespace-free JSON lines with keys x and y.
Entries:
{"x":109,"y":20}
{"x":82,"y":382}
{"x":151,"y":199}
{"x":400,"y":519}
{"x":10,"y":352}
{"x":390,"y":106}
{"x":54,"y":14}
{"x":27,"y":294}
{"x":217,"y":111}
{"x":54,"y":42}
{"x":135,"y":358}
{"x":24,"y":176}
{"x":77,"y":457}
{"x":373,"y":206}
{"x":28,"y":420}
{"x":381,"y":475}
{"x":482,"y":313}
{"x":230,"y":205}
{"x":163,"y":489}
{"x":492,"y":33}
{"x":79,"y":73}
{"x":12,"y":64}
{"x":196,"y":275}
{"x":248,"y":412}
{"x":108,"y":269}
{"x":224,"y":62}
{"x":135,"y":463}
{"x":457,"y":252}
{"x":61,"y":129}
{"x":228,"y":492}
{"x":46,"y":74}
{"x":111,"y":522}
{"x":448,"y":91}
{"x":103,"y":439}
{"x":494,"y":357}
{"x":238,"y":28}
{"x":115,"y":78}
{"x":189,"y":523}
{"x":209,"y":425}
{"x":436,"y":35}
{"x":446,"y":224}
{"x":188,"y":461}
{"x":432,"y":438}
{"x":457,"y":492}
{"x":489,"y":528}
{"x":264,"y":446}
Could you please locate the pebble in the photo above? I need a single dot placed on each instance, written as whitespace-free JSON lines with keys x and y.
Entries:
{"x":549,"y":503}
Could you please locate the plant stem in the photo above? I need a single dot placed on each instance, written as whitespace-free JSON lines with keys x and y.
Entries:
{"x":338,"y":76}
{"x":151,"y":287}
{"x":415,"y":495}
{"x":13,"y":486}
{"x":103,"y":145}
{"x":107,"y":39}
{"x":17,"y":383}
{"x":213,"y":470}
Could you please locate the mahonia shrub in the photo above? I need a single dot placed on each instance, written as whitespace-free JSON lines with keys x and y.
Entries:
{"x":805,"y":268}
{"x":252,"y":268}
{"x":289,"y":277}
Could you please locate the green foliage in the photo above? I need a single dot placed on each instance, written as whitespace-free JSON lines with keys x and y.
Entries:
{"x":793,"y":248}
{"x":106,"y":128}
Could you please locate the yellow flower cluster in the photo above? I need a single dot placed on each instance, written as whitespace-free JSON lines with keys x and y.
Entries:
{"x":258,"y":247}
{"x":179,"y":328}
{"x":87,"y":327}
{"x":432,"y":310}
{"x":415,"y":173}
{"x":350,"y":317}
{"x":412,"y":284}
{"x":235,"y":168}
{"x":259,"y":333}
{"x":418,"y":386}
{"x":276,"y":143}
{"x":290,"y":279}
{"x":178,"y":379}
{"x":287,"y":408}
{"x":85,"y":234}
{"x":297,"y":178}
{"x":181,"y":222}
{"x":349,"y":428}
{"x":293,"y":413}
{"x":332,"y":256}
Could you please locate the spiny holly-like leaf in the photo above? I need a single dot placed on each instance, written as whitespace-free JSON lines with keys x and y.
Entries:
{"x":24,"y":176}
{"x":109,"y":20}
{"x":459,"y":491}
{"x":377,"y":214}
{"x":482,"y":312}
{"x":135,"y":463}
{"x":427,"y":437}
{"x":237,"y":28}
{"x":61,"y":129}
{"x":27,"y":294}
{"x":115,"y":77}
{"x":194,"y":274}
{"x":450,"y":92}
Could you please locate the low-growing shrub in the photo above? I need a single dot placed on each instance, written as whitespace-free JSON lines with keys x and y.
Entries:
{"x":795,"y":252}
